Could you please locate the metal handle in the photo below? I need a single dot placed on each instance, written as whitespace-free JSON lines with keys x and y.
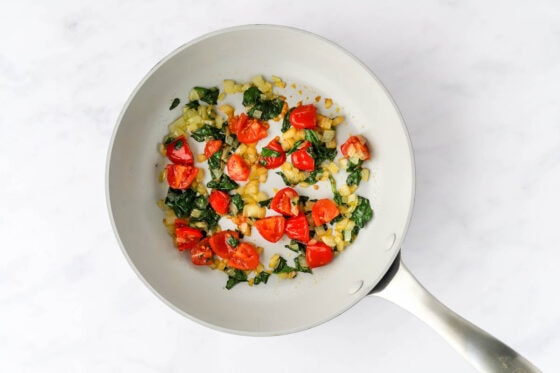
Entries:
{"x":482,"y":350}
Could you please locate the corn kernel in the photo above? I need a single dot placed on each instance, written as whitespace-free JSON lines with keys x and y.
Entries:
{"x":278,"y":82}
{"x":163,"y":150}
{"x":345,"y":191}
{"x":201,"y":158}
{"x":365,"y":174}
{"x":228,"y":110}
{"x":324,"y":122}
{"x":328,"y":103}
{"x":332,"y":167}
{"x":262,"y":84}
{"x":254,"y":211}
{"x":229,"y":86}
{"x":288,"y":275}
{"x":221,"y":265}
{"x":328,"y":240}
{"x":337,"y":120}
{"x":299,"y":135}
{"x":262,"y":196}
{"x":289,"y":133}
{"x":274,"y":261}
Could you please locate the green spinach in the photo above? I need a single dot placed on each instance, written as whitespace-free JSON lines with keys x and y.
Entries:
{"x":236,"y":205}
{"x":265,"y":203}
{"x":208,"y":132}
{"x":261,"y":108}
{"x":318,"y":150}
{"x":295,"y":147}
{"x":354,"y":173}
{"x":337,"y":196}
{"x":301,"y":264}
{"x":286,"y":124}
{"x":223,"y":183}
{"x":192,"y":105}
{"x":208,"y":95}
{"x":215,"y":164}
{"x":180,"y":201}
{"x":266,"y":109}
{"x":283,"y":267}
{"x":362,"y":213}
{"x":261,"y":277}
{"x":235,"y":276}
{"x":251,"y":96}
{"x":175,"y":103}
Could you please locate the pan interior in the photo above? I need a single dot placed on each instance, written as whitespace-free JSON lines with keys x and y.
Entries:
{"x":281,"y":306}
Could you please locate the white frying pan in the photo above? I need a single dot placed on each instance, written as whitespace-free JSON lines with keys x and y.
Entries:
{"x":371,"y":265}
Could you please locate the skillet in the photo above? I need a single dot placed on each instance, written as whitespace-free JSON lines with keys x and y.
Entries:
{"x":371,"y":265}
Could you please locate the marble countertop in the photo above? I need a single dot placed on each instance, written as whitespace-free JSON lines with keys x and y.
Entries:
{"x":477,"y":83}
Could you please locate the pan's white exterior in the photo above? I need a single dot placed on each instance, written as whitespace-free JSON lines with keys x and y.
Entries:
{"x":133,"y":165}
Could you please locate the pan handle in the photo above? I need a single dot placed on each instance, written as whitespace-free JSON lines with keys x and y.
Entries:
{"x":483,"y":351}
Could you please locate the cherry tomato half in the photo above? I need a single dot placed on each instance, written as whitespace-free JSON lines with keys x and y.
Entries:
{"x":271,"y":228}
{"x":285,"y":202}
{"x":272,"y":155}
{"x":323,"y":211}
{"x":237,"y":168}
{"x":318,"y":254}
{"x":356,"y":146}
{"x":252,"y":131}
{"x":186,"y":237}
{"x":236,"y":122}
{"x":179,"y":176}
{"x":219,"y":200}
{"x":179,"y":152}
{"x":297,"y":228}
{"x":304,"y":116}
{"x":244,"y":257}
{"x":224,"y":243}
{"x":302,"y":160}
{"x":202,"y":254}
{"x":211,"y":147}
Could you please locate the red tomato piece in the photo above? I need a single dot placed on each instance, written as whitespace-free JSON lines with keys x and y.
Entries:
{"x":219,"y":200}
{"x":237,"y":168}
{"x":186,"y":237}
{"x":318,"y":254}
{"x":179,"y":176}
{"x":202,"y":254}
{"x":245,"y":257}
{"x":224,"y":243}
{"x":211,"y":147}
{"x":323,"y":211}
{"x":297,"y":228}
{"x":252,"y":131}
{"x":179,"y":152}
{"x":304,"y":116}
{"x":285,"y":202}
{"x":235,"y":123}
{"x":272,"y":155}
{"x":271,"y":228}
{"x":302,"y":160}
{"x":181,"y":223}
{"x":356,"y":146}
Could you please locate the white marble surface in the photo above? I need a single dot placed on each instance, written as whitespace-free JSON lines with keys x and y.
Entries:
{"x":478,"y":85}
